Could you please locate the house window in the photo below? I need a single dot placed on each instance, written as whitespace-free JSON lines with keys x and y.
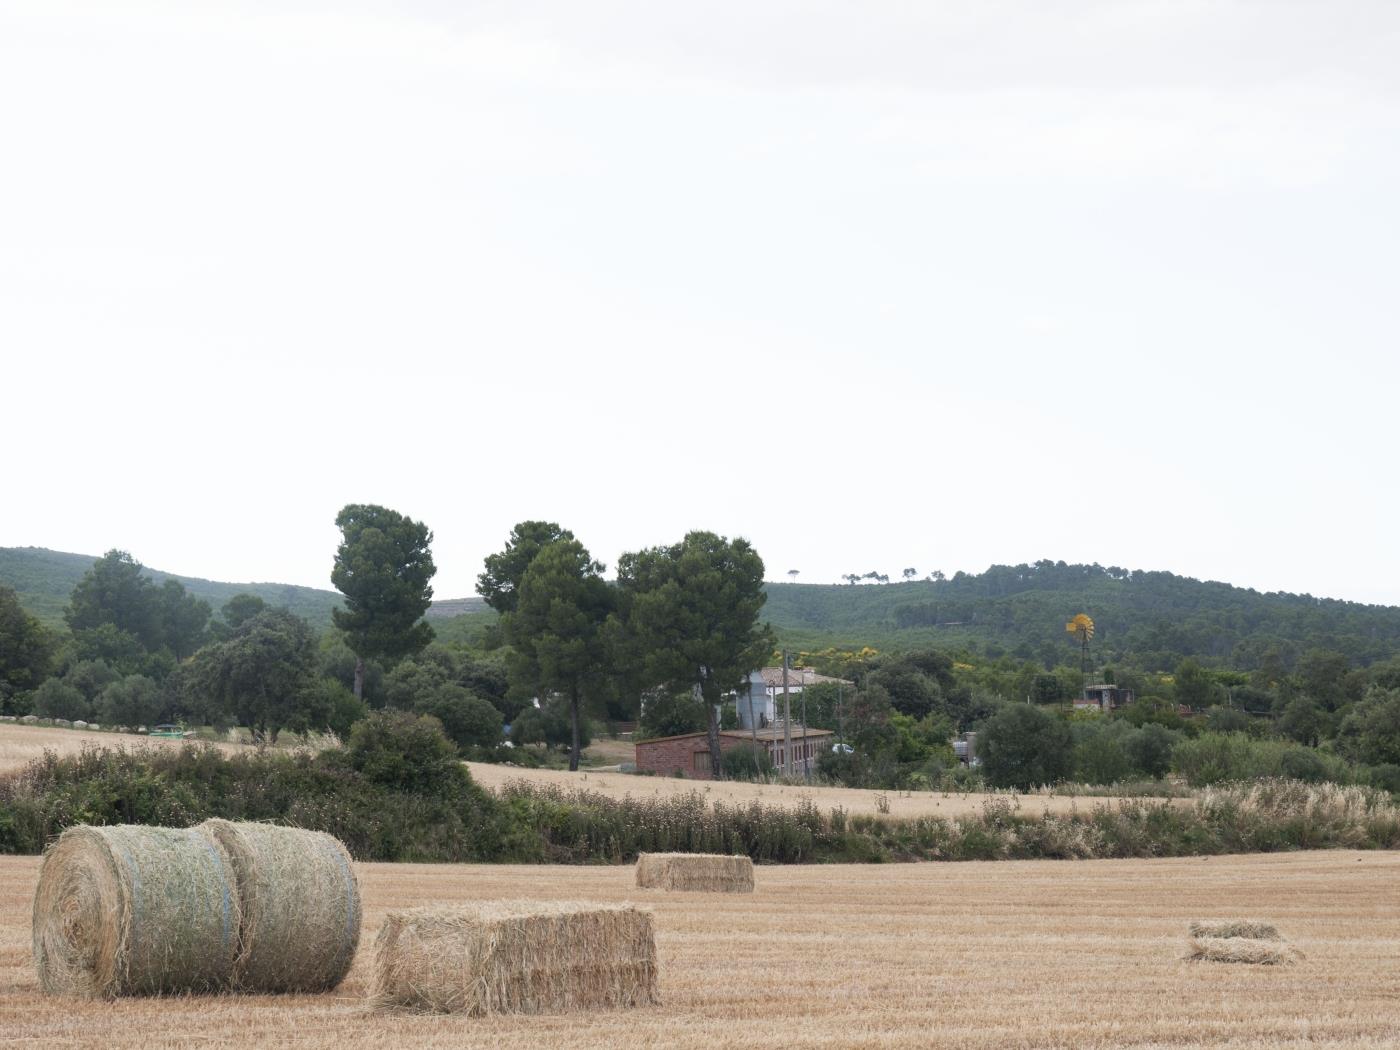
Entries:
{"x":700,"y":762}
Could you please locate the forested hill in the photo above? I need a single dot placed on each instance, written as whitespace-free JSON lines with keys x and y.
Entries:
{"x":44,"y":579}
{"x":1150,"y":619}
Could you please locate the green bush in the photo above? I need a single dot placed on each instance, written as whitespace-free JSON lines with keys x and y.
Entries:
{"x":1150,"y":749}
{"x":180,"y":787}
{"x":1213,"y":758}
{"x":131,"y":701}
{"x":1099,"y":754}
{"x":406,"y":752}
{"x":341,"y":707}
{"x":746,"y":762}
{"x":1386,"y":777}
{"x":58,"y":699}
{"x":1216,"y":758}
{"x":468,"y":720}
{"x":1022,"y":746}
{"x":670,"y":714}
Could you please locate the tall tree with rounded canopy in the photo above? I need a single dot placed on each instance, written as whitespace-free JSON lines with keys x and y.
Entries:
{"x":692,"y":610}
{"x":26,"y":647}
{"x":262,"y":677}
{"x":118,"y":612}
{"x":382,"y":566}
{"x":558,"y":629}
{"x":115,"y":591}
{"x":500,"y":583}
{"x":241,"y":608}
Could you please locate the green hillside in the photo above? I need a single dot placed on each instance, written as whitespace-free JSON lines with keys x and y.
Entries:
{"x":1150,"y":619}
{"x":44,"y":579}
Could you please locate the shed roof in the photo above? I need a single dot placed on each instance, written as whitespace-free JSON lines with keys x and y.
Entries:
{"x":768,"y":733}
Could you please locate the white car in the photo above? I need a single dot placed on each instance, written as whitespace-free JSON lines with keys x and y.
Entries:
{"x":842,"y":749}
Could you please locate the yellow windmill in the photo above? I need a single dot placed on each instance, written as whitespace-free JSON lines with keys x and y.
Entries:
{"x":1083,"y":629}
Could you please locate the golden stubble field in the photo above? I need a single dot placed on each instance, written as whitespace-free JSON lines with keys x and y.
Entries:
{"x":852,"y":800}
{"x":1009,"y":954}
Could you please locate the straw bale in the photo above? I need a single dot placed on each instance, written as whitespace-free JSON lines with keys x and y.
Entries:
{"x":524,"y":957}
{"x":1241,"y":950}
{"x":1259,"y":931}
{"x":130,"y":910}
{"x":300,"y":906}
{"x":705,"y":872}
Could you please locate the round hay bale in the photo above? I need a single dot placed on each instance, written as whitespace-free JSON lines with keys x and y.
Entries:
{"x":135,"y":911}
{"x":300,"y":906}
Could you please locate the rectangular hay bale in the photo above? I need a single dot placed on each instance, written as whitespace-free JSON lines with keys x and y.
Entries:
{"x":527,"y":957}
{"x":1248,"y":950}
{"x":702,"y":872}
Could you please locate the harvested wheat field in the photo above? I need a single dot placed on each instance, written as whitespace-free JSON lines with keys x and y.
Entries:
{"x":1009,"y":954}
{"x":21,"y":744}
{"x":852,"y":800}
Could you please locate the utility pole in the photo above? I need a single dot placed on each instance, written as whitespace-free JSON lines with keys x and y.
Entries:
{"x":840,"y":721}
{"x":753,"y":722}
{"x":787,"y":720}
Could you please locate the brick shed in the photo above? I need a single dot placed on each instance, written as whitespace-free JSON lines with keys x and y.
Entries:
{"x":689,"y":754}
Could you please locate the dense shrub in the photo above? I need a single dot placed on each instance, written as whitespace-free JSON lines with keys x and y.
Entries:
{"x":1216,"y":758}
{"x":1386,"y":777}
{"x":667,"y":713}
{"x":180,"y":787}
{"x":341,"y":707}
{"x":1100,"y":756}
{"x":746,"y":762}
{"x":468,"y":720}
{"x":406,"y":752}
{"x":131,"y":701}
{"x":1150,"y":749}
{"x":1023,"y":746}
{"x":57,"y":699}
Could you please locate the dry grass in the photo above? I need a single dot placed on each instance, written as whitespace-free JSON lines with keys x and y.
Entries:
{"x":21,"y":744}
{"x":1258,"y":931}
{"x":606,"y":751}
{"x":1004,"y":954}
{"x":852,"y":800}
{"x":1240,"y":950}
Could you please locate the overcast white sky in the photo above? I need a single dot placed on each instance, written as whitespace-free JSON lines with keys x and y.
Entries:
{"x":873,"y":284}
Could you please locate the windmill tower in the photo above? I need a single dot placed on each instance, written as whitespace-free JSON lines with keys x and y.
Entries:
{"x":1082,"y":628}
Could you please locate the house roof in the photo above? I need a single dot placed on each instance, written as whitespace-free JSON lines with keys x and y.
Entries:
{"x":797,"y":676}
